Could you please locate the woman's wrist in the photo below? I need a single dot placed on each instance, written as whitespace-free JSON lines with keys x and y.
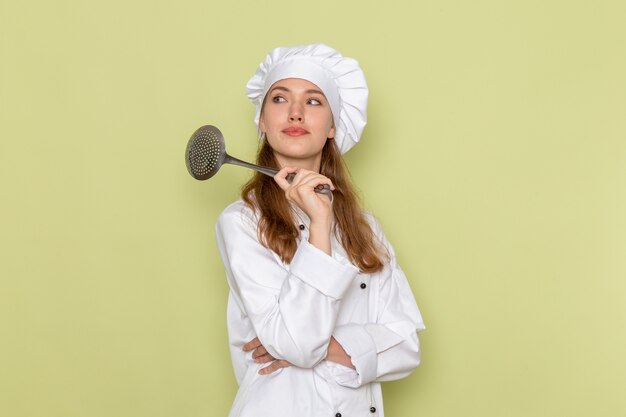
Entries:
{"x":319,"y":235}
{"x":337,"y":354}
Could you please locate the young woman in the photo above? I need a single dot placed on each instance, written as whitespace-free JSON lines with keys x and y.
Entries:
{"x":319,"y":312}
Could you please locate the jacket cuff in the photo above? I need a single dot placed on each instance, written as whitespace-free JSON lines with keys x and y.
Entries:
{"x":357,"y":343}
{"x":330,"y":275}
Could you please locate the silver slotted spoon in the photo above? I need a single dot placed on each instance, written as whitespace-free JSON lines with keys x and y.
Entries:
{"x":206,"y":153}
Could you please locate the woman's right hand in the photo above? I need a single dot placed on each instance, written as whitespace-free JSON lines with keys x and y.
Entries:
{"x":317,"y":206}
{"x":337,"y":354}
{"x":301,"y":191}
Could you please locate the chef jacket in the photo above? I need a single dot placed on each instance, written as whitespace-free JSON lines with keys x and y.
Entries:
{"x":295,"y":308}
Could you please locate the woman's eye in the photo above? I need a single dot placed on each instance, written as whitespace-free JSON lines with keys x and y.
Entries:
{"x":314,"y":101}
{"x":278,"y":99}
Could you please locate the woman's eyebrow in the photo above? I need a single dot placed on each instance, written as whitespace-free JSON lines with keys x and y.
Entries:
{"x":280,"y":87}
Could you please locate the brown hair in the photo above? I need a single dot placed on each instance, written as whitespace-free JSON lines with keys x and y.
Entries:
{"x":277,"y":229}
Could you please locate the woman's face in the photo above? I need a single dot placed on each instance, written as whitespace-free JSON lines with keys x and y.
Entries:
{"x":297,"y":120}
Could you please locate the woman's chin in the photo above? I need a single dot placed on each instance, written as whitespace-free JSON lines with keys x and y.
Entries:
{"x":307,"y":160}
{"x":298,"y":152}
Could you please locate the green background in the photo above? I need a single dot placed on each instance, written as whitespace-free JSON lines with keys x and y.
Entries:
{"x":494,"y":157}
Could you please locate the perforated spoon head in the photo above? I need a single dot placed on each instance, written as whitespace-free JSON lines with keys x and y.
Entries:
{"x":205,"y":152}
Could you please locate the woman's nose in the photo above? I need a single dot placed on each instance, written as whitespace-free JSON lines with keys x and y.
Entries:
{"x":296,"y":114}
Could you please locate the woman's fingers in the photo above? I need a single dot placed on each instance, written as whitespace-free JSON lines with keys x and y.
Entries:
{"x":264,"y":358}
{"x":304,"y":177}
{"x":314,"y":181}
{"x":301,"y":190}
{"x":260,"y":351}
{"x":303,"y":185}
{"x":303,"y":180}
{"x":253,"y":344}
{"x":274,"y":366}
{"x":260,"y":355}
{"x":281,"y":177}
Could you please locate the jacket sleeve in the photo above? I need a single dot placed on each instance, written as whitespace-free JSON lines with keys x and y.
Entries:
{"x":389,"y":348}
{"x":292,"y":310}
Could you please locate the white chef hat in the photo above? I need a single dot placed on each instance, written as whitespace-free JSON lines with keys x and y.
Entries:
{"x":341,"y":80}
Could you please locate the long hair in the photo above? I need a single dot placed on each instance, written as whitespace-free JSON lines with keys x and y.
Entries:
{"x":277,"y":229}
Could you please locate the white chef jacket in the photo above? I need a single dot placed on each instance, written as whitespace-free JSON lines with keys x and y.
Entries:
{"x":295,"y":308}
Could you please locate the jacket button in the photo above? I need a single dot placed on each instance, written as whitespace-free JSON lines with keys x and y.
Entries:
{"x":301,"y":227}
{"x":363,"y":286}
{"x":338,"y":415}
{"x":372,"y":409}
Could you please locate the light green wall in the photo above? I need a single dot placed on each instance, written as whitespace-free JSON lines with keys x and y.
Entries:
{"x":495,"y":158}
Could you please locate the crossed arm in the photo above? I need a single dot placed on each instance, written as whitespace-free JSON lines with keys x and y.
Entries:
{"x":336,"y":354}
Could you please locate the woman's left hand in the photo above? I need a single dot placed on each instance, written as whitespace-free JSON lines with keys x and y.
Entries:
{"x":261,"y":355}
{"x":335,"y":353}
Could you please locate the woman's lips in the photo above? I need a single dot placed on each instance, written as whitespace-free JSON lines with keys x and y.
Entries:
{"x":295,"y":131}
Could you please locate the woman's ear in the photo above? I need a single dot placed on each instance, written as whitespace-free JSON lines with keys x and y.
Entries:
{"x":262,"y":123}
{"x":331,"y":132}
